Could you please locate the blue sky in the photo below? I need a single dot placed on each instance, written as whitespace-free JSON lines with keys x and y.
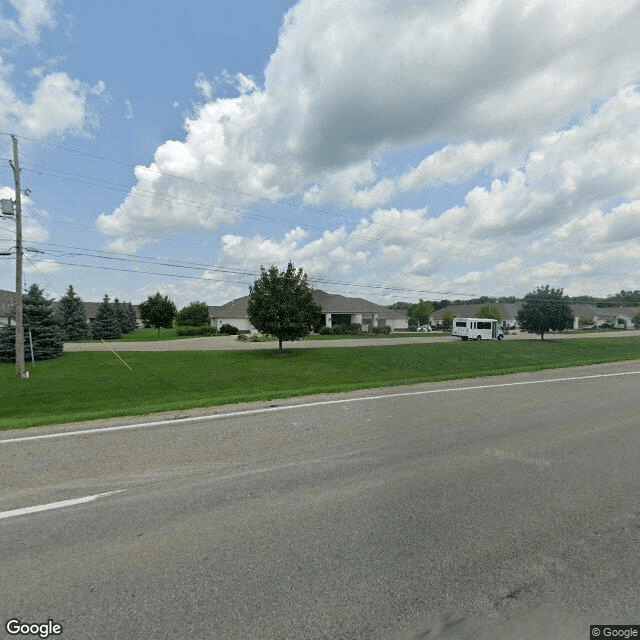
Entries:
{"x":394,"y":151}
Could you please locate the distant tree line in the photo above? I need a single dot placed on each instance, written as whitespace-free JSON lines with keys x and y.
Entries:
{"x":621,"y":299}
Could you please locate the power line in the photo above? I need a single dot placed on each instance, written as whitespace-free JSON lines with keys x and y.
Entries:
{"x":202,"y":278}
{"x":237,"y":212}
{"x":244,"y":194}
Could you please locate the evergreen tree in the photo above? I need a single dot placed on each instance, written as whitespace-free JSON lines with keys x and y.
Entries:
{"x":119,"y":309}
{"x":41,"y":329}
{"x":105,"y":326}
{"x":72,"y":316}
{"x":131,"y":320}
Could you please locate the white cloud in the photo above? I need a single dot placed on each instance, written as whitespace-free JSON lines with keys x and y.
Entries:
{"x":32,"y":227}
{"x":204,"y":86}
{"x":41,"y":267}
{"x":360,"y":186}
{"x":452,"y":164}
{"x":58,"y":105}
{"x":28,"y":19}
{"x":44,"y":101}
{"x":350,"y":81}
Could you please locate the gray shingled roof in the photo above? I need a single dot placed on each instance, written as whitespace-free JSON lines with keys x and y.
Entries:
{"x":235,"y":309}
{"x":6,"y":302}
{"x":508,"y":310}
{"x":330,"y":303}
{"x":7,"y":298}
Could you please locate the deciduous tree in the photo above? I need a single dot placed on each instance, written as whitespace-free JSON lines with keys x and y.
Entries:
{"x":447,"y":320}
{"x":545,"y":309}
{"x":422,"y":312}
{"x":490,"y":310}
{"x":158,"y":312}
{"x":195,"y":314}
{"x":281,"y":304}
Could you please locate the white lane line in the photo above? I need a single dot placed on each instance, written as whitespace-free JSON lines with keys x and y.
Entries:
{"x":54,"y":505}
{"x":306,"y":405}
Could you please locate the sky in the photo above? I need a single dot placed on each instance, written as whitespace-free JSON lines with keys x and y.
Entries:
{"x":394,"y":151}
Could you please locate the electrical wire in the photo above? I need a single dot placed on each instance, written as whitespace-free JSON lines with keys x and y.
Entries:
{"x":236,"y":192}
{"x":199,"y":205}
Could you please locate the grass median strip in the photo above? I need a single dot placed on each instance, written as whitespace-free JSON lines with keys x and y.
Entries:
{"x":91,"y":385}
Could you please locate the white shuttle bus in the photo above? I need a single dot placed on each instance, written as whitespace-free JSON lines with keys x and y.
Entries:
{"x":476,"y":329}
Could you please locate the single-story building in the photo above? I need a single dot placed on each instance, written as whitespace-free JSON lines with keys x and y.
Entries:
{"x":336,"y":309}
{"x":509,"y":311}
{"x":7,"y":299}
{"x":601,"y":315}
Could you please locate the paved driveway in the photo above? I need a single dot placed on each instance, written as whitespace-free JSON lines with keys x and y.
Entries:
{"x":230,"y":343}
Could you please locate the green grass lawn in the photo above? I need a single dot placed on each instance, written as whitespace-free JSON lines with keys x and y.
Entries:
{"x":145,"y":335}
{"x":82,"y":386}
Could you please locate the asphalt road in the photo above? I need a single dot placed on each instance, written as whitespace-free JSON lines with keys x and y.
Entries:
{"x":356,"y":516}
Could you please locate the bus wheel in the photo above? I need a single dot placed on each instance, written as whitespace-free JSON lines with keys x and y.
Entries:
{"x":479,"y":338}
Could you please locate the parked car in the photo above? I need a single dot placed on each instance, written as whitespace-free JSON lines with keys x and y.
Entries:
{"x":424,"y":328}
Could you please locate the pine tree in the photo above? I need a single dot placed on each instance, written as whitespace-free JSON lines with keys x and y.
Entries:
{"x":40,"y":329}
{"x":105,"y":325}
{"x":121,"y":318}
{"x":131,"y":318}
{"x":72,"y":316}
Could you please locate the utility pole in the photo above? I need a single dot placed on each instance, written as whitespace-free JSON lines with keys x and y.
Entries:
{"x":15,"y":165}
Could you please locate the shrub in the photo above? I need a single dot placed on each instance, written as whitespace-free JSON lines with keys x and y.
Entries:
{"x":327,"y":331}
{"x":338,"y":330}
{"x":354,"y":328}
{"x":228,"y":330}
{"x":381,"y":330}
{"x":204,"y":330}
